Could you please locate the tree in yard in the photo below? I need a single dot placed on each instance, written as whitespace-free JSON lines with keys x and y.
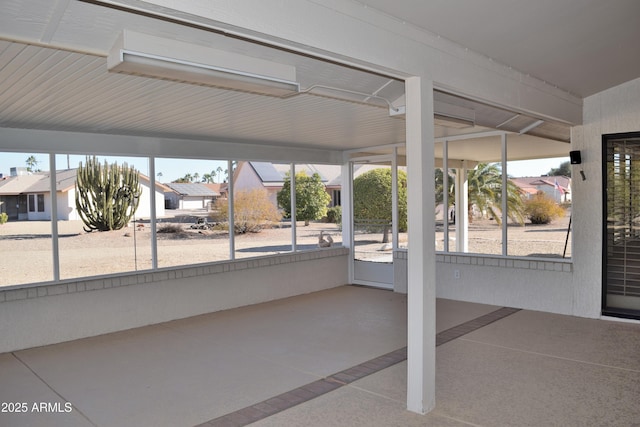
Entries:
{"x":32,"y":164}
{"x":311,"y":197}
{"x":372,"y":199}
{"x":485,"y":191}
{"x":185,"y":179}
{"x":234,"y":164}
{"x":439,"y":187}
{"x":207,"y":178}
{"x":107,"y":196}
{"x":252,"y":211}
{"x":563,"y":170}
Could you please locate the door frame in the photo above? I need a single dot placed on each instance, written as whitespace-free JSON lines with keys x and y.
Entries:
{"x":365,"y":272}
{"x":605,"y":309}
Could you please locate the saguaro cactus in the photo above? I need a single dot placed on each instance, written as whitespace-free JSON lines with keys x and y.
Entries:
{"x":107,"y":195}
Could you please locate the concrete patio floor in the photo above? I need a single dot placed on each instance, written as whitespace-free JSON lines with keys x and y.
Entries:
{"x":525,"y":369}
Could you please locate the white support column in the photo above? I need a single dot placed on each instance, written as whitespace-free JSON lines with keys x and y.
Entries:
{"x":394,"y":199}
{"x":54,"y":216}
{"x":347,"y":211}
{"x":445,"y":194}
{"x":462,"y":209}
{"x":153,"y":218}
{"x":232,"y":234}
{"x":421,"y":339}
{"x":292,"y":208}
{"x":505,"y":193}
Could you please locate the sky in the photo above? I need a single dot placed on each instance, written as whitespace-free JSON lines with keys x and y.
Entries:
{"x":173,"y":169}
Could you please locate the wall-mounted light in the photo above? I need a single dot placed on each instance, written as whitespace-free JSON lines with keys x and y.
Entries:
{"x":575,"y":157}
{"x":150,"y":56}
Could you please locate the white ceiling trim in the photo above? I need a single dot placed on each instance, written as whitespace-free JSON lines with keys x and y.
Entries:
{"x":376,"y":42}
{"x":47,"y":141}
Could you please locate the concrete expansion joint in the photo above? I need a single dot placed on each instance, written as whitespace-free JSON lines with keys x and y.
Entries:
{"x":346,"y":377}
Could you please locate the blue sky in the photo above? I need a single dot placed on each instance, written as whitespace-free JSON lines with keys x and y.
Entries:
{"x":173,"y":169}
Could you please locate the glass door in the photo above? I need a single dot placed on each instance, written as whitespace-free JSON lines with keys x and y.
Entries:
{"x":373,"y":231}
{"x":621,"y":248}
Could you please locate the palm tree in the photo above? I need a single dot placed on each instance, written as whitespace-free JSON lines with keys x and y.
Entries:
{"x":195,"y":177}
{"x":234,"y":164}
{"x":208,"y":178}
{"x":485,"y":191}
{"x":219,"y":171}
{"x":440,"y":184}
{"x":32,"y":163}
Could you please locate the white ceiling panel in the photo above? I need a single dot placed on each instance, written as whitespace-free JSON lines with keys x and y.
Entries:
{"x":582,"y":46}
{"x":53,"y":76}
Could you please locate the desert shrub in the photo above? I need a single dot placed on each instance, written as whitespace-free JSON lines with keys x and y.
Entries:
{"x":169,"y":228}
{"x":334,"y":215}
{"x":3,"y":217}
{"x":542,"y":209}
{"x":252,"y":211}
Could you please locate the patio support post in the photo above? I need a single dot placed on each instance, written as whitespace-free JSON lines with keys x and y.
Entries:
{"x":421,"y":292}
{"x":394,"y":199}
{"x":347,"y":212}
{"x":505,"y":214}
{"x":445,"y":194}
{"x":153,"y":219}
{"x":294,"y":202}
{"x":54,"y":216}
{"x":232,"y":234}
{"x":462,"y":209}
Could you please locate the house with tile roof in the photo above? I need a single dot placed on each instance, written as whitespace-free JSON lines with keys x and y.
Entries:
{"x":556,"y":187}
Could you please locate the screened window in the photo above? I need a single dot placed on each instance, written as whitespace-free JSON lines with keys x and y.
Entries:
{"x":40,"y":199}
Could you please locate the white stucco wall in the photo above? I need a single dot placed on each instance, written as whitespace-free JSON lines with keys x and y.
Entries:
{"x":246,"y":178}
{"x":533,"y":284}
{"x":193,"y":202}
{"x":47,"y":314}
{"x":67,"y":206}
{"x":616,"y":110}
{"x":144,"y":208}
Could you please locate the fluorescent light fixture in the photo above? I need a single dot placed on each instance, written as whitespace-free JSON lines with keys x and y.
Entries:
{"x":224,"y":70}
{"x":452,"y":122}
{"x":454,"y":116}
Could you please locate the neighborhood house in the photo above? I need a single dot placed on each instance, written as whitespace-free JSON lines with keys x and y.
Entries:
{"x":189,"y":196}
{"x":27,"y":196}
